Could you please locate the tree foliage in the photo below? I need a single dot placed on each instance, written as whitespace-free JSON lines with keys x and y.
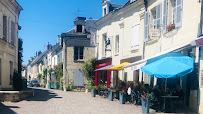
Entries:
{"x":17,"y":81}
{"x":58,"y":71}
{"x":89,"y":69}
{"x":20,"y":55}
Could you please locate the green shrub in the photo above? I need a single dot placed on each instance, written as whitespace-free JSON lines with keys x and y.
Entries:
{"x":17,"y":81}
{"x":69,"y":87}
{"x":61,"y":84}
{"x":42,"y":85}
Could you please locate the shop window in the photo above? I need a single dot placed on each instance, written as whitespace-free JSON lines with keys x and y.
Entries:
{"x":125,"y":77}
{"x":11,"y":72}
{"x":117,"y":45}
{"x":136,"y":76}
{"x":78,"y":53}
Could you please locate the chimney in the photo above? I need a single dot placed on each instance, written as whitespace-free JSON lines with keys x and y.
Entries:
{"x":39,"y":52}
{"x":48,"y":46}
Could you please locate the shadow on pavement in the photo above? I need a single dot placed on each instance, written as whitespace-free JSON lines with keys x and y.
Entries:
{"x":7,"y":109}
{"x":42,"y":95}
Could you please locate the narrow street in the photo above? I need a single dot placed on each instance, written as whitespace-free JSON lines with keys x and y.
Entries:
{"x":48,"y":101}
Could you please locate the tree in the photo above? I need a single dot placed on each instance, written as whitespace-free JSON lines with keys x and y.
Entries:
{"x":20,"y":55}
{"x":17,"y":81}
{"x":89,"y":70}
{"x":44,"y":75}
{"x":58,"y":71}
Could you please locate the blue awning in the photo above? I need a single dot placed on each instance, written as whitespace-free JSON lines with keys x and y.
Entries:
{"x":169,"y":65}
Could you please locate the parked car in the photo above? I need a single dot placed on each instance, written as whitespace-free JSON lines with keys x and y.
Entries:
{"x":35,"y":83}
{"x":29,"y":84}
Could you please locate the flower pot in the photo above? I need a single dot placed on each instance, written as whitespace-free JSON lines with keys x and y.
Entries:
{"x":122,"y":98}
{"x":55,"y":86}
{"x":93,"y":92}
{"x":111,"y":95}
{"x":49,"y":86}
{"x":145,"y":105}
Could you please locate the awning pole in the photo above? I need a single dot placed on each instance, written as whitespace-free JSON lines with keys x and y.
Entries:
{"x":165,"y":84}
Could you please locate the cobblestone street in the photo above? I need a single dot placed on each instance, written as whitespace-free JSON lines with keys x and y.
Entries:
{"x":55,"y":101}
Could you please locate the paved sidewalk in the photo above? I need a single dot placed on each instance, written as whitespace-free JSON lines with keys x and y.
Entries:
{"x":48,"y":101}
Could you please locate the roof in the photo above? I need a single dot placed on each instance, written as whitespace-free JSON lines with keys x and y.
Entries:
{"x":55,"y":48}
{"x":89,"y":28}
{"x":117,"y":7}
{"x":38,"y":58}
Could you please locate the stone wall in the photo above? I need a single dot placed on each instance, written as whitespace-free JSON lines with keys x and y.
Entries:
{"x":14,"y":96}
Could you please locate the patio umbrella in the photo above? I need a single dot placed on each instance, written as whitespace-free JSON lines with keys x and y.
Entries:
{"x":169,"y":65}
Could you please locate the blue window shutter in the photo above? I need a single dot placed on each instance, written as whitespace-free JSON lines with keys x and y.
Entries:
{"x":179,"y":6}
{"x":158,"y":16}
{"x":165,"y":16}
{"x":146,"y":26}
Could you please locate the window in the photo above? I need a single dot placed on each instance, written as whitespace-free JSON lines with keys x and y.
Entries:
{"x":125,"y":77}
{"x":11,"y":72}
{"x":13,"y":33}
{"x":104,"y":45}
{"x":117,"y":45}
{"x":78,"y":53}
{"x":172,"y":15}
{"x":59,"y":57}
{"x":5,"y":28}
{"x":105,"y":11}
{"x":0,"y":71}
{"x":79,"y":28}
{"x":154,"y":18}
{"x":173,"y":11}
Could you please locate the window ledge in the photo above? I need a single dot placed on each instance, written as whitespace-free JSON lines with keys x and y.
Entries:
{"x":116,"y":54}
{"x":151,"y":41}
{"x":80,"y":60}
{"x":171,"y":33}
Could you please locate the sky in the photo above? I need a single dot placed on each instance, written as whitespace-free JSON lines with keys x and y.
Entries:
{"x":43,"y":20}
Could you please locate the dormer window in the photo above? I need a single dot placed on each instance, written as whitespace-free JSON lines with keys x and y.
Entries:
{"x":79,"y":28}
{"x":105,"y":11}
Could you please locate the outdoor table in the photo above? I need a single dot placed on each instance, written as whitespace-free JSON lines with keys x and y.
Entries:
{"x":168,"y":97}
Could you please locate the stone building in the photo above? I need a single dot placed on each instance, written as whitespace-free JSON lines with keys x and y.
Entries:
{"x":78,"y":47}
{"x":9,"y":15}
{"x":144,"y":29}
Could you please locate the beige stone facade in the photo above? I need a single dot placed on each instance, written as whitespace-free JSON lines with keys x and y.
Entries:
{"x":9,"y":14}
{"x":186,"y":29}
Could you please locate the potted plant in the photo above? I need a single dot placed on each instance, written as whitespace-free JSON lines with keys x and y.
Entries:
{"x":122,"y":97}
{"x":111,"y":94}
{"x":55,"y":85}
{"x":145,"y":102}
{"x":100,"y":88}
{"x":93,"y":90}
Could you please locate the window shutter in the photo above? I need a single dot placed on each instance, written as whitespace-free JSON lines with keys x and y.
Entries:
{"x":165,"y":16}
{"x":15,"y":34}
{"x":178,"y":13}
{"x":9,"y":30}
{"x":146,"y":26}
{"x":1,"y":25}
{"x":158,"y":16}
{"x":135,"y":36}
